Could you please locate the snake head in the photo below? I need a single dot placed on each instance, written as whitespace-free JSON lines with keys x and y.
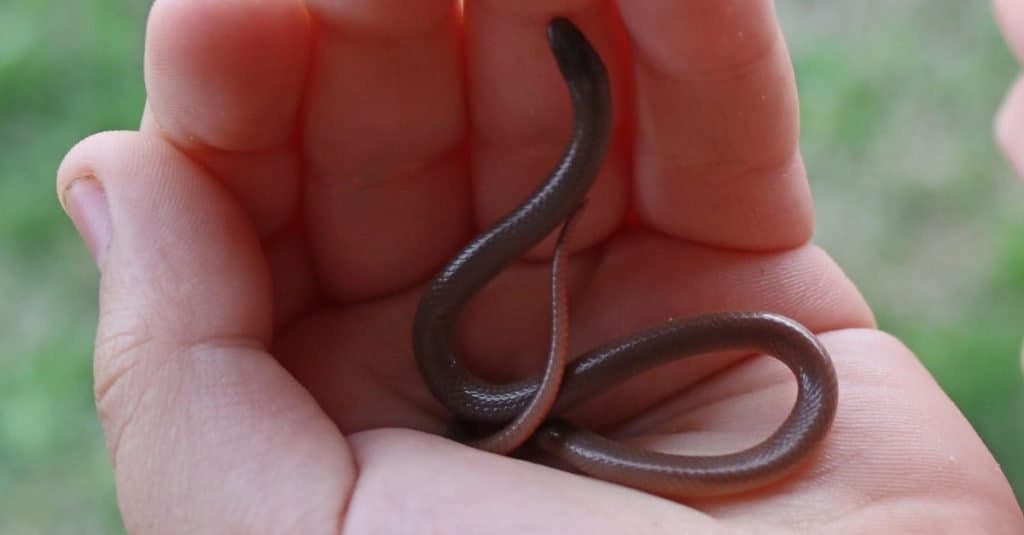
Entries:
{"x":576,"y":57}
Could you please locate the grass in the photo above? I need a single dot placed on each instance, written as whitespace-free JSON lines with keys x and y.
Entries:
{"x":913,"y":200}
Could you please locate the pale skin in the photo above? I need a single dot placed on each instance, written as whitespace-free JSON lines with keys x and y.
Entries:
{"x":303,"y":168}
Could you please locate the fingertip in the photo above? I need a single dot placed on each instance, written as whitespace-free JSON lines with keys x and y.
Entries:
{"x":180,"y":252}
{"x":83,"y":195}
{"x":82,"y":157}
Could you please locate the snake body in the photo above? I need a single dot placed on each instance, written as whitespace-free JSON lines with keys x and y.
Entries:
{"x":527,"y":410}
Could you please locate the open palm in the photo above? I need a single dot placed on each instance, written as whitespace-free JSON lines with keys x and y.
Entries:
{"x":304,"y":168}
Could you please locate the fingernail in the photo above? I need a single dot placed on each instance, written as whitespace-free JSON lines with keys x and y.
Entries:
{"x":86,"y":205}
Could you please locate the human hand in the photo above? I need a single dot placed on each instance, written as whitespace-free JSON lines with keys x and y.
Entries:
{"x":298,"y":178}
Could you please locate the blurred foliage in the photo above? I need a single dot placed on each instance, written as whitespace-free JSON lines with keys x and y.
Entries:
{"x":913,"y":200}
{"x":67,"y":69}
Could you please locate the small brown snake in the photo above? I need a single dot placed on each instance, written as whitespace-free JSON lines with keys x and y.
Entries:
{"x":524,"y":411}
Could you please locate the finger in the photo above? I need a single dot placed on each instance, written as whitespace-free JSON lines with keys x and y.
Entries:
{"x":1010,"y":126}
{"x":224,"y":82}
{"x":1010,"y":14}
{"x":384,"y":131}
{"x":504,"y":495}
{"x":206,"y":431}
{"x":717,"y":124}
{"x":522,"y":114}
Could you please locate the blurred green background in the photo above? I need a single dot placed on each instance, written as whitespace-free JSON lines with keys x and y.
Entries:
{"x":913,"y":200}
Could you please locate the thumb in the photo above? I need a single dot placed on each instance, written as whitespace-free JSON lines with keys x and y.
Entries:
{"x":206,"y":431}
